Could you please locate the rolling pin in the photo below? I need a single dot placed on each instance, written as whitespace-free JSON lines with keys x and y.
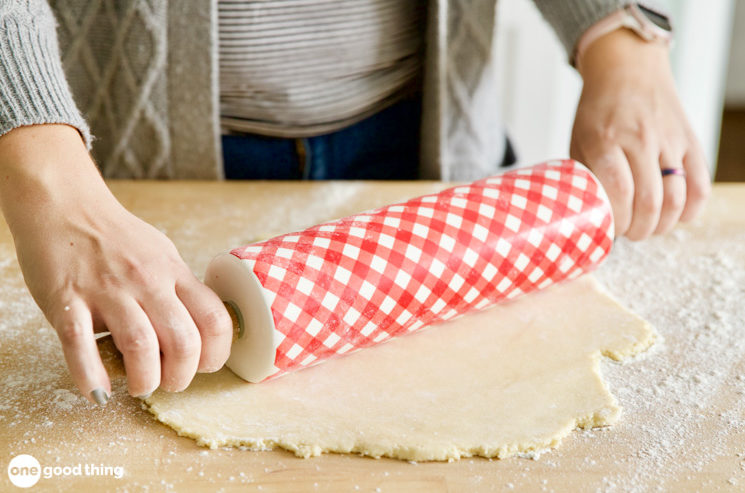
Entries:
{"x":303,"y":297}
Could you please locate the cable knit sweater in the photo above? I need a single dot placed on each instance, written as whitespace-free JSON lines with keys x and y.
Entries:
{"x":144,"y":79}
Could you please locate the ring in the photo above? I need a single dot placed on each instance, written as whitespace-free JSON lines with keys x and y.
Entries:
{"x":673,"y":171}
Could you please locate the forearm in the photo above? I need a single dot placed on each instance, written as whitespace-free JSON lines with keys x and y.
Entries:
{"x":46,"y":171}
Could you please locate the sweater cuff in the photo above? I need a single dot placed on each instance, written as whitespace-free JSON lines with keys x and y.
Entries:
{"x":33,"y":87}
{"x":571,"y":18}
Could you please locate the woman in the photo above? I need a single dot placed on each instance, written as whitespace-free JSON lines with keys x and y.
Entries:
{"x":307,"y":89}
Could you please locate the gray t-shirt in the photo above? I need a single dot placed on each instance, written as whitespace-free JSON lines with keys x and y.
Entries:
{"x":305,"y":67}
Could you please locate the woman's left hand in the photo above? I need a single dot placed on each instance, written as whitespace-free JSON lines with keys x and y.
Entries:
{"x":629,"y":126}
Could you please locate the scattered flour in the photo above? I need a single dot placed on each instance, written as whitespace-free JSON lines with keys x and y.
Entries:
{"x":691,"y":286}
{"x":64,"y":399}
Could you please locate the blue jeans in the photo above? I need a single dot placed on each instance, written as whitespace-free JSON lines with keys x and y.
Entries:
{"x":384,"y":146}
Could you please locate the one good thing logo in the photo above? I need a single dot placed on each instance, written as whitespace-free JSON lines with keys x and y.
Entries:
{"x":25,"y":471}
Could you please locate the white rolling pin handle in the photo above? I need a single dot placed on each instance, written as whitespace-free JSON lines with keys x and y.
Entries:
{"x":254,"y":348}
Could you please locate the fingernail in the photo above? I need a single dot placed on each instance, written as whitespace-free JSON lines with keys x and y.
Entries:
{"x":145,"y":396}
{"x":100,"y":396}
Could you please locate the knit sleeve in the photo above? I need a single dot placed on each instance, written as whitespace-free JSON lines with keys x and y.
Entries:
{"x":33,"y":88}
{"x":571,"y":18}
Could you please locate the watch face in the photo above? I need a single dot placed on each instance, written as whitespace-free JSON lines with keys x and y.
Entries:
{"x":656,"y":18}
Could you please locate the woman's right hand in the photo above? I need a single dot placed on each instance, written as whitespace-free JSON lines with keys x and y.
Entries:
{"x":88,"y":262}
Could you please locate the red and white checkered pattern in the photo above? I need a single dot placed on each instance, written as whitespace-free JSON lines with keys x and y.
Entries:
{"x":361,"y":280}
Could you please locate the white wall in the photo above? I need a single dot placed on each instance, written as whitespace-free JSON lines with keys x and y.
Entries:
{"x":735,"y":92}
{"x":699,"y":57}
{"x":540,"y":91}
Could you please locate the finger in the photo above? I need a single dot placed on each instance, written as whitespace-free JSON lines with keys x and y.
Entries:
{"x":212,"y":320}
{"x":645,"y":169}
{"x":178,"y":338}
{"x":135,"y":338}
{"x":673,"y":194}
{"x":74,"y":326}
{"x":698,"y":182}
{"x":612,"y":169}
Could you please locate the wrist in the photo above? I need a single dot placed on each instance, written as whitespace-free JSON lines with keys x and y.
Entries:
{"x":646,"y":23}
{"x":622,"y":49}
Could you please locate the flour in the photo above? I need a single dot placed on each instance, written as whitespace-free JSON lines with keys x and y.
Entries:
{"x":64,"y":399}
{"x":669,"y":396}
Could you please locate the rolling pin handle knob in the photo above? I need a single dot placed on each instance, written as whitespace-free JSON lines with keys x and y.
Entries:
{"x":236,"y":317}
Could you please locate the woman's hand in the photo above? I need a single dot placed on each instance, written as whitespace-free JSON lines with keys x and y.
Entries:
{"x":89,"y":263}
{"x":629,"y":125}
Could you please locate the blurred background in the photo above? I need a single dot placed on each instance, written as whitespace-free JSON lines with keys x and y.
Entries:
{"x":708,"y":58}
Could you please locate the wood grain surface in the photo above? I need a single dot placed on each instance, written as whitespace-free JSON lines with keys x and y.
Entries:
{"x":42,"y":414}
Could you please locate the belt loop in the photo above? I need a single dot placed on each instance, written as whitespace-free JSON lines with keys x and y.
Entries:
{"x":302,"y":156}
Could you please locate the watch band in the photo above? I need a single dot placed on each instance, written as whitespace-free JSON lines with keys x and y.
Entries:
{"x":633,"y":17}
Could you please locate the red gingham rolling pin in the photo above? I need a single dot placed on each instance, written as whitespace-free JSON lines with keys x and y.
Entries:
{"x":337,"y":287}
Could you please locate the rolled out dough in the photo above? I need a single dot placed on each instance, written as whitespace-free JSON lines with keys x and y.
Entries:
{"x":512,"y":379}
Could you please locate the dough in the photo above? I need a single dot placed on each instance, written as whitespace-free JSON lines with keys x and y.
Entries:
{"x":512,"y":379}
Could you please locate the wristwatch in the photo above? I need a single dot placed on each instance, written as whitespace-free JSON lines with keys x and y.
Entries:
{"x":648,"y":24}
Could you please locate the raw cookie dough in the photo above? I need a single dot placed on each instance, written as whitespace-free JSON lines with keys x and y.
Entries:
{"x":515,"y":378}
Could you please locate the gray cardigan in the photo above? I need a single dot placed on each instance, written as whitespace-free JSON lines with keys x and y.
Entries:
{"x":145,"y":74}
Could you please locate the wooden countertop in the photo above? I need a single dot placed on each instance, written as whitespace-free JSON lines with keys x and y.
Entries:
{"x":42,"y":414}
